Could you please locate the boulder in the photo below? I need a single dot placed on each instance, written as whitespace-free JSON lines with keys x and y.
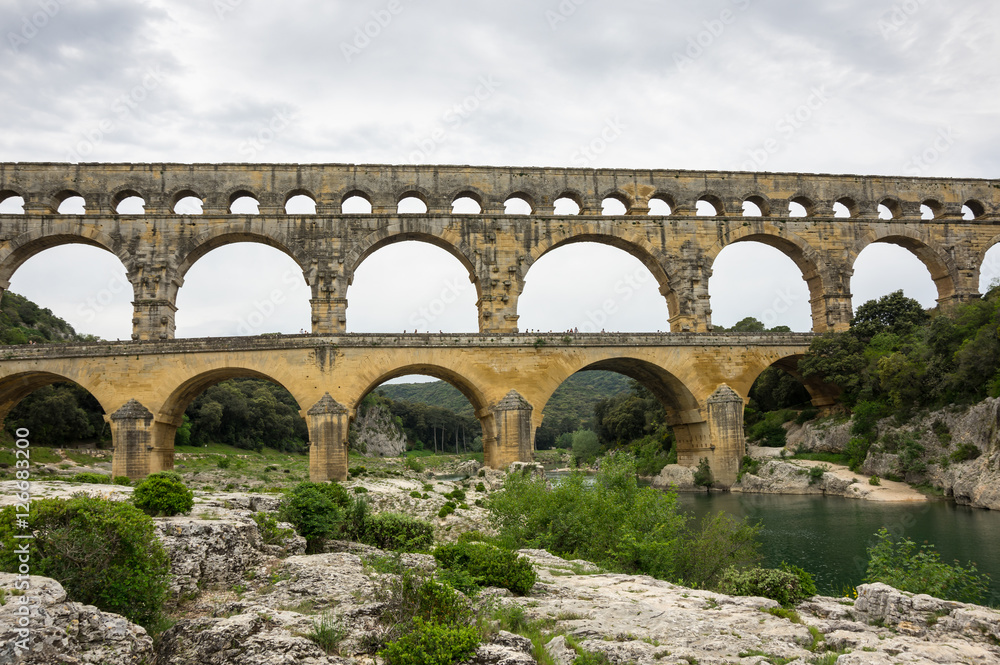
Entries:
{"x":676,"y":477}
{"x":468,"y":468}
{"x":209,"y":553}
{"x":63,"y":633}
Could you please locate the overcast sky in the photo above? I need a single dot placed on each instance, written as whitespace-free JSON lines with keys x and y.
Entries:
{"x":901,"y":88}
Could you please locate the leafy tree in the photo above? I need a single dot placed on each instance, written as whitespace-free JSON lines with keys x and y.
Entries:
{"x":900,"y":564}
{"x":586,"y":446}
{"x":60,"y":414}
{"x":893,"y":313}
{"x":163,"y":493}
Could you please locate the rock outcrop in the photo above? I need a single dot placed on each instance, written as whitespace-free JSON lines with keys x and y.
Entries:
{"x":785,"y":477}
{"x":58,"y":632}
{"x":378,"y":434}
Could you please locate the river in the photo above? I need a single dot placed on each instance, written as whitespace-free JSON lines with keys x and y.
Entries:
{"x":828,"y":536}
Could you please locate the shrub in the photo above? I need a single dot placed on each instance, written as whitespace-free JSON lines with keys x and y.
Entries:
{"x":395,"y":531}
{"x":586,"y":446}
{"x":88,"y":477}
{"x":900,"y":564}
{"x":413,"y":595}
{"x":121,"y":480}
{"x":314,"y":510}
{"x":327,"y":632}
{"x":748,"y":465}
{"x":361,"y":490}
{"x":104,"y":553}
{"x":447,"y":509}
{"x":780,"y":585}
{"x":480,"y":487}
{"x":413,"y":464}
{"x":703,"y":476}
{"x":163,"y":493}
{"x":875,"y":480}
{"x":805,"y":415}
{"x":489,"y":565}
{"x":617,"y":524}
{"x":816,"y":473}
{"x":964,"y":452}
{"x":415,"y":494}
{"x":357,"y":471}
{"x":432,"y":644}
{"x":223,"y":463}
{"x":857,"y":451}
{"x":270,"y":532}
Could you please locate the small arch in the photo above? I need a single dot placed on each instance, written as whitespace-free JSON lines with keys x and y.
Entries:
{"x":756,"y":206}
{"x":661,"y":205}
{"x":11,"y":203}
{"x":614,"y":204}
{"x":931,"y":209}
{"x":466,"y":203}
{"x":69,"y":202}
{"x":568,"y":203}
{"x":519,"y":203}
{"x":128,"y":202}
{"x":187,"y":202}
{"x":411,"y":203}
{"x":801,"y":206}
{"x":708,"y":205}
{"x":845,"y":207}
{"x":889,"y":208}
{"x":300,"y":202}
{"x":356,"y":202}
{"x":973,"y":209}
{"x":243,"y":202}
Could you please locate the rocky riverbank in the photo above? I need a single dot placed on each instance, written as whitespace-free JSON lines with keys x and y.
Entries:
{"x":241,"y":601}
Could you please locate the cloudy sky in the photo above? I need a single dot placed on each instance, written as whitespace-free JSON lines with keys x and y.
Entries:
{"x":904,"y":87}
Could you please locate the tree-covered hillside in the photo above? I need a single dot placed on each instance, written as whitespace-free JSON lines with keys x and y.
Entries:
{"x":23,"y":322}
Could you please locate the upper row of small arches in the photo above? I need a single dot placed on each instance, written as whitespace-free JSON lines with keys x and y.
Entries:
{"x":243,"y":202}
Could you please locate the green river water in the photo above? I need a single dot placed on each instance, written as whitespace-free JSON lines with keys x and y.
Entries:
{"x":828,"y":536}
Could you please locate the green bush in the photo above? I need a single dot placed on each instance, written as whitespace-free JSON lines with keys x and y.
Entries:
{"x":900,"y":564}
{"x":121,"y":480}
{"x":857,"y":452}
{"x":315,"y":511}
{"x":88,"y":477}
{"x":964,"y":452}
{"x":223,"y":463}
{"x":875,"y":480}
{"x":270,"y":532}
{"x":416,"y":495}
{"x":432,"y":644}
{"x":396,"y":531}
{"x":618,"y":525}
{"x":782,"y":586}
{"x":703,"y":475}
{"x":586,"y":446}
{"x":489,"y":565}
{"x":805,"y":415}
{"x":816,"y":473}
{"x":163,"y":493}
{"x":413,"y":464}
{"x":768,"y":433}
{"x":104,"y":553}
{"x":447,"y":509}
{"x":480,"y":487}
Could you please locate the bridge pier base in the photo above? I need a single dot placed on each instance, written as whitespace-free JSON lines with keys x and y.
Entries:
{"x":132,"y":435}
{"x":514,"y":441}
{"x":328,"y":422}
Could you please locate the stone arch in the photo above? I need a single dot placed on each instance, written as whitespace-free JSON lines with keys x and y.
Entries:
{"x":190,"y":252}
{"x":604,"y":234}
{"x":351,"y":192}
{"x":422,"y":194}
{"x":529,"y":197}
{"x":574,"y":195}
{"x":762,"y":201}
{"x":715,"y":200}
{"x":937,"y":261}
{"x":10,"y":191}
{"x":807,"y":203}
{"x":57,"y":198}
{"x":14,"y":253}
{"x":125,"y":192}
{"x":177,"y":195}
{"x":466,"y":386}
{"x":16,"y":387}
{"x":466,"y":191}
{"x":414,"y":228}
{"x":806,"y":259}
{"x":824,"y":395}
{"x":850,"y":202}
{"x":298,"y":191}
{"x":172,"y":409}
{"x":235,"y":193}
{"x":680,"y":403}
{"x":620,"y":196}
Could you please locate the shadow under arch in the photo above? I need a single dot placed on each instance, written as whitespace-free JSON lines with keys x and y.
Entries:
{"x":28,"y":245}
{"x":644,"y":253}
{"x":805,"y":258}
{"x":197,"y":247}
{"x":464,"y":385}
{"x":938,"y":263}
{"x":16,"y":387}
{"x":679,"y":402}
{"x":822,"y":394}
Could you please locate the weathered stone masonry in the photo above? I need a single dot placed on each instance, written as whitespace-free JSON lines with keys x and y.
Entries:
{"x":158,"y":247}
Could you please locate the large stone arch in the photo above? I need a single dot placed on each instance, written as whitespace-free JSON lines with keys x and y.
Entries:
{"x":197,"y":247}
{"x":15,"y":253}
{"x":824,"y":395}
{"x":938,"y":262}
{"x":603,"y":234}
{"x":802,"y":254}
{"x":16,"y":387}
{"x":456,"y":378}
